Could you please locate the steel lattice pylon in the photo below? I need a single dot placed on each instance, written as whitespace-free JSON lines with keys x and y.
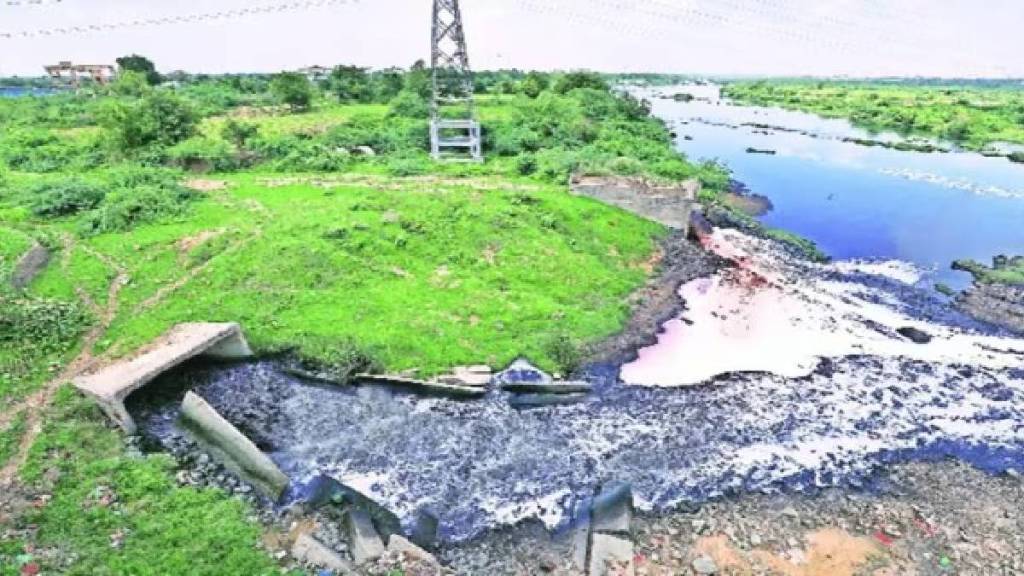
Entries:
{"x":454,"y":131}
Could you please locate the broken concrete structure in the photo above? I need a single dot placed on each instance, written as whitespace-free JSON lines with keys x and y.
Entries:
{"x":668,"y":205}
{"x":312,"y":552}
{"x":113,"y":384}
{"x":366,"y":543}
{"x":231,"y":448}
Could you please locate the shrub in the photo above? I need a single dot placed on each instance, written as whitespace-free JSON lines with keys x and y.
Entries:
{"x":238,"y":133}
{"x":64,"y":198}
{"x":580,"y":79}
{"x":202,"y":154}
{"x":40,"y":324}
{"x":294,"y":153}
{"x":160,"y":119}
{"x":408,"y":165}
{"x":127,"y":208}
{"x":293,"y":89}
{"x":409,"y":104}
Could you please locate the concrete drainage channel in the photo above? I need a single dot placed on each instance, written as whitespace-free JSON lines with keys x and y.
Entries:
{"x":601,"y":539}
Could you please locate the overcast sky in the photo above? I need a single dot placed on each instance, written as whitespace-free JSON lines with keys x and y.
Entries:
{"x":750,"y":37}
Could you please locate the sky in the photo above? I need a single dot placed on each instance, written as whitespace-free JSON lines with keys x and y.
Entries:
{"x":948,"y":38}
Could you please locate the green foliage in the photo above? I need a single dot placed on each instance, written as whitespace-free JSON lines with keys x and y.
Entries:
{"x":1017,"y":157}
{"x":409,"y":104}
{"x":293,"y":89}
{"x":64,"y":197}
{"x":158,"y":119}
{"x":202,"y":154}
{"x":535,"y":83}
{"x":239,"y":132}
{"x":126,"y":208}
{"x":580,"y":79}
{"x":971,"y":116}
{"x":350,"y":84}
{"x":141,"y":65}
{"x":130,"y":84}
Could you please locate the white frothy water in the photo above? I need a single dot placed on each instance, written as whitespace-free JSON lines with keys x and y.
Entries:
{"x":774,"y":314}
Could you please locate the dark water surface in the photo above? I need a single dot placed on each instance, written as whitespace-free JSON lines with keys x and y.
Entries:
{"x":858,"y":202}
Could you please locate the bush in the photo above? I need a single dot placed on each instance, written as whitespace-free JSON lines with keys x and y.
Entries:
{"x":298,"y":154}
{"x":409,"y":165}
{"x":293,"y":89}
{"x":64,"y":198}
{"x":127,"y":208}
{"x":239,"y":133}
{"x":40,"y":324}
{"x":409,"y":104}
{"x":581,"y":79}
{"x":159,"y":119}
{"x":202,"y":154}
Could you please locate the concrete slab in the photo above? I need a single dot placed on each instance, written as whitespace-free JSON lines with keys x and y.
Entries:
{"x":607,"y":552}
{"x":612,"y":511}
{"x":365,"y":542}
{"x":112,"y":385}
{"x":669,"y":205}
{"x":311,"y":551}
{"x":231,"y":448}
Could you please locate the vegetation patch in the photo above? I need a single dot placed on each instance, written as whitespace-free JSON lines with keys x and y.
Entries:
{"x":971,"y":116}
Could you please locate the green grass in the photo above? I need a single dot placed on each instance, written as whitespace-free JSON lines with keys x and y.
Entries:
{"x":971,"y":117}
{"x":1010,"y":272}
{"x":10,"y":437}
{"x":162,"y":528}
{"x":423,"y":274}
{"x":324,"y":116}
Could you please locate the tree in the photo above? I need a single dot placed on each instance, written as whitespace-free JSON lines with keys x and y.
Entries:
{"x":292,"y":89}
{"x":581,"y":79}
{"x":418,"y":80}
{"x":132,"y":84}
{"x":238,"y":133}
{"x":387,"y":84}
{"x":157,"y":119}
{"x":350,"y":84}
{"x":140,"y":64}
{"x":534,"y":84}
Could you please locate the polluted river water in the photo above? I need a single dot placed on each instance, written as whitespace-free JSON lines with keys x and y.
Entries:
{"x":780,"y":374}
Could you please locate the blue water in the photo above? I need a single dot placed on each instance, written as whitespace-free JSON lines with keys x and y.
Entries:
{"x":856,"y":201}
{"x":18,"y":91}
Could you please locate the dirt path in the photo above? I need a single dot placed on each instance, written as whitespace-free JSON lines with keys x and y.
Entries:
{"x":34,"y":407}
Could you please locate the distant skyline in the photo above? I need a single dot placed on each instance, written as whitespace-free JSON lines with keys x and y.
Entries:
{"x":862,"y":38}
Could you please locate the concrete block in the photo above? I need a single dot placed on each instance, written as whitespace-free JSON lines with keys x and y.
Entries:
{"x":364,"y":540}
{"x":402,"y":547}
{"x":230,"y":447}
{"x":311,"y":551}
{"x":612,"y":511}
{"x":611,"y":551}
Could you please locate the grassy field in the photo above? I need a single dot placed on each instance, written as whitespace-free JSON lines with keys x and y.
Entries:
{"x":973,"y":118}
{"x":390,"y":259}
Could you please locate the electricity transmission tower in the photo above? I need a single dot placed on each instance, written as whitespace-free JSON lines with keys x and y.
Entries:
{"x":454,"y":131}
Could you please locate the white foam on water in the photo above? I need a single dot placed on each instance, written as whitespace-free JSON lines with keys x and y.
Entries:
{"x":897,"y":270}
{"x":548,"y":508}
{"x":952,"y":183}
{"x":774,"y":314}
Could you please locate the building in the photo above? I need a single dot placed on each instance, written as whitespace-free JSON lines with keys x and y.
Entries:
{"x":67,"y":73}
{"x":315,"y":73}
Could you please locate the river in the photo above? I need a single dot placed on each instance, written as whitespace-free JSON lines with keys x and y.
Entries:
{"x":780,"y":374}
{"x":854,"y":201}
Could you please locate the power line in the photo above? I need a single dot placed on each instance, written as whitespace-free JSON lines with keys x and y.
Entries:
{"x":173,"y":20}
{"x":13,"y":3}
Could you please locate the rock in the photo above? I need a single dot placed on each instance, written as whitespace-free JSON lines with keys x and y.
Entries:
{"x":363,"y":151}
{"x":366,"y":543}
{"x":522,"y":372}
{"x":705,"y":565}
{"x":611,"y":552}
{"x":424,"y":532}
{"x":311,"y":551}
{"x":539,"y":400}
{"x":29,"y":266}
{"x":612,"y":510}
{"x":915,"y":335}
{"x":402,"y":547}
{"x":231,"y":447}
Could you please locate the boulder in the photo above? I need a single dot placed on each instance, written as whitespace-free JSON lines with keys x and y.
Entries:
{"x":363,"y":151}
{"x":312,"y":552}
{"x":365,"y":543}
{"x":424,"y":531}
{"x":230,"y":447}
{"x":915,"y":335}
